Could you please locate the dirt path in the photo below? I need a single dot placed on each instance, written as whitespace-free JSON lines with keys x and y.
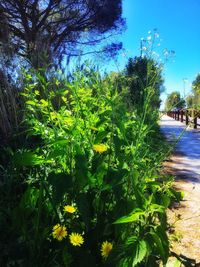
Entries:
{"x":185,"y":165}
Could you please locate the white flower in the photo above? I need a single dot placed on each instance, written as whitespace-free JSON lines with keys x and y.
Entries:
{"x":149,"y":38}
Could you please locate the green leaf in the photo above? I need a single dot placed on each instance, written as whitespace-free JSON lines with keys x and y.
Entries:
{"x":140,"y":197}
{"x":133,"y":217}
{"x":166,"y":200}
{"x":159,"y":246}
{"x":60,"y":142}
{"x":141,"y":251}
{"x":27,"y":159}
{"x":32,"y":103}
{"x":29,"y":198}
{"x":175,"y":263}
{"x":83,"y":204}
{"x":131,"y":239}
{"x":135,"y":177}
{"x":61,"y":184}
{"x":67,"y":258}
{"x":156,"y":208}
{"x":179,"y":195}
{"x":161,"y":243}
{"x":100,"y":137}
{"x":114,"y":176}
{"x":81,"y":168}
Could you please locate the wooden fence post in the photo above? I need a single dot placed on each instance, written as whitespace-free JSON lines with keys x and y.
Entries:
{"x":195,"y":119}
{"x":186,"y":117}
{"x":178,"y":115}
{"x":181,"y":115}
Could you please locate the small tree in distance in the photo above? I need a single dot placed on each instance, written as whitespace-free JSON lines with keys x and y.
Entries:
{"x":174,"y":100}
{"x":196,"y":91}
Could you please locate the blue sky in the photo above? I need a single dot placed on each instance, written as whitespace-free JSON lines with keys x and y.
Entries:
{"x":177,"y":22}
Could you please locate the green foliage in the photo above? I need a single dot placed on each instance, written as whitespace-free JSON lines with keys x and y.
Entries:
{"x":115,"y":186}
{"x":196,"y":92}
{"x":67,"y":21}
{"x":174,"y":100}
{"x":145,"y":82}
{"x":196,"y":84}
{"x":190,"y":101}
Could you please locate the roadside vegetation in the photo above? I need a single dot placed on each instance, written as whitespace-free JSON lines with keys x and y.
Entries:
{"x":193,"y":100}
{"x":81,"y":152}
{"x":174,"y":101}
{"x":84,"y":187}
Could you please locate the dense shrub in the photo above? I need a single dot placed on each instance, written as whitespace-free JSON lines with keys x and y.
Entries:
{"x":87,"y":189}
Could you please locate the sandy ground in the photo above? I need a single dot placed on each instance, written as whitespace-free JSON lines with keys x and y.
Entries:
{"x":185,"y":165}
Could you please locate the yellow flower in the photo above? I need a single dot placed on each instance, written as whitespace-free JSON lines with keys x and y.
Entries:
{"x":100,"y":148}
{"x":59,"y":232}
{"x":106,"y":248}
{"x":76,"y":239}
{"x":69,"y":209}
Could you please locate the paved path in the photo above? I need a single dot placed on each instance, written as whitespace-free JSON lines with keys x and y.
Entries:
{"x":185,"y":164}
{"x":188,"y":147}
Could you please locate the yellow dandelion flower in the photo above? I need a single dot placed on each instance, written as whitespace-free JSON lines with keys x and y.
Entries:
{"x":100,"y":148}
{"x":76,"y":239}
{"x":59,"y":232}
{"x":70,"y":209}
{"x":106,"y":248}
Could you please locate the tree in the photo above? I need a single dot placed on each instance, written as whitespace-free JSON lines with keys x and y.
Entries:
{"x":43,"y":31}
{"x":190,"y":100}
{"x":144,"y":75}
{"x":196,"y":84}
{"x":174,"y":100}
{"x":196,"y":91}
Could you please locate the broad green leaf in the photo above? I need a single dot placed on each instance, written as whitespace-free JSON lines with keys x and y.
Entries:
{"x":161,"y":243}
{"x":44,"y":103}
{"x":114,"y":176}
{"x":159,"y":246}
{"x":61,"y":142}
{"x":100,"y":137}
{"x":141,"y":251}
{"x":27,"y":159}
{"x":131,"y":239}
{"x":32,"y":103}
{"x":81,"y":170}
{"x":83,"y":203}
{"x":134,"y":217}
{"x":166,"y":200}
{"x":135,"y":177}
{"x":156,"y":208}
{"x":61,"y":184}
